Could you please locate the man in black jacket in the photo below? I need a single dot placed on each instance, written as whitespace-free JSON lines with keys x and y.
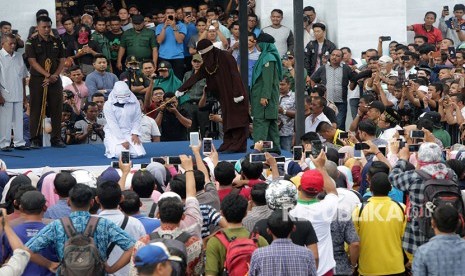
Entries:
{"x":317,"y":51}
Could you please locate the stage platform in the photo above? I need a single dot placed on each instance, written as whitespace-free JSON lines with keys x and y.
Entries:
{"x":92,"y":156}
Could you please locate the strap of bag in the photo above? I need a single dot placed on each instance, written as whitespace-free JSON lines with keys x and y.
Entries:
{"x":91,"y":226}
{"x":184,"y":237}
{"x":223,"y":238}
{"x":113,"y":244}
{"x":152,"y":210}
{"x":68,"y":226}
{"x":77,"y":90}
{"x":154,"y":235}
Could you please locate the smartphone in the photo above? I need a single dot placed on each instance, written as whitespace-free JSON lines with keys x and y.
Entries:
{"x":150,"y":25}
{"x":343,"y":135}
{"x":281,"y":169}
{"x":207,"y":145}
{"x":452,"y":52}
{"x":173,"y":160}
{"x":267,"y":144}
{"x":308,"y":154}
{"x":144,"y":165}
{"x":317,"y":146}
{"x":405,"y":58}
{"x":455,"y":22}
{"x":15,"y":32}
{"x":125,"y":156}
{"x":362,"y":146}
{"x":280,"y":159}
{"x":444,"y":155}
{"x":194,"y":138}
{"x":158,"y":160}
{"x":357,"y":154}
{"x":170,"y":17}
{"x":297,"y":153}
{"x":417,"y":134}
{"x":401,"y":132}
{"x":413,"y":148}
{"x":401,"y":144}
{"x":257,"y":157}
{"x":382,"y":150}
{"x":114,"y":164}
{"x":446,"y":8}
{"x":412,"y":76}
{"x":406,"y":83}
{"x":385,"y":38}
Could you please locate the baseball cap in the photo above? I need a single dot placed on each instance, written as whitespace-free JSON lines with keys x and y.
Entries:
{"x":137,"y":19}
{"x":131,"y":59}
{"x":197,"y":57}
{"x":32,"y":200}
{"x":378,"y":105}
{"x":423,"y":88}
{"x":434,"y":117}
{"x":164,"y":65}
{"x":154,"y":253}
{"x":312,"y":182}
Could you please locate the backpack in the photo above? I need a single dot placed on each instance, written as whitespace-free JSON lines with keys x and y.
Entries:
{"x":81,"y":256}
{"x":439,"y":192}
{"x":176,"y":247}
{"x":238,"y":253}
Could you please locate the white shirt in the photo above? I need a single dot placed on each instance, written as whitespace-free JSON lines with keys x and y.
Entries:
{"x":134,"y":228}
{"x":148,"y":128}
{"x":311,"y":126}
{"x":321,"y":215}
{"x":12,"y":73}
{"x":389,"y":133}
{"x":16,"y":264}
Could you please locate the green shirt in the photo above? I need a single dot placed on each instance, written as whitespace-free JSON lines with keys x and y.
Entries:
{"x":139,"y":44}
{"x":442,"y":135}
{"x":104,"y":44}
{"x":216,"y":252}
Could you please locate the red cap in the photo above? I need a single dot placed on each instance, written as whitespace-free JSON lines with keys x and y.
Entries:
{"x":312,"y":182}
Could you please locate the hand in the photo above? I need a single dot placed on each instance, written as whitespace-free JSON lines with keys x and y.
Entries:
{"x":429,"y":137}
{"x":135,"y":139}
{"x":320,"y":161}
{"x":287,"y":63}
{"x":119,"y":65}
{"x":264,"y":102}
{"x":4,"y":218}
{"x":125,"y":145}
{"x":404,"y":153}
{"x":280,"y":110}
{"x":124,"y":167}
{"x":195,"y":149}
{"x":214,"y":155}
{"x":53,"y":267}
{"x":46,"y":82}
{"x":373,"y":148}
{"x":308,"y":80}
{"x":270,"y":160}
{"x":360,"y":113}
{"x":258,"y":146}
{"x":215,"y":118}
{"x":2,"y":100}
{"x":172,"y":109}
{"x":444,"y":13}
{"x":394,"y":146}
{"x":235,"y":46}
{"x":186,"y":162}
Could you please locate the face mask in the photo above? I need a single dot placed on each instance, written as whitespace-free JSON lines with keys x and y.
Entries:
{"x":83,"y":38}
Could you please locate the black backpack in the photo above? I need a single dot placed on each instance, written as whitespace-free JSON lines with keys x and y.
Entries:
{"x":176,"y":247}
{"x":439,"y":192}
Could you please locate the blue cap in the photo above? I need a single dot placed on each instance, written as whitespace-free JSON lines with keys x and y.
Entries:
{"x":154,"y":253}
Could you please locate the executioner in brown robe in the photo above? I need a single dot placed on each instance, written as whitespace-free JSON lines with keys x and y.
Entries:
{"x":224,"y":83}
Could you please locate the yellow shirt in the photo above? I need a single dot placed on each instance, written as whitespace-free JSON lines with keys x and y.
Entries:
{"x":380,"y":227}
{"x":336,"y":139}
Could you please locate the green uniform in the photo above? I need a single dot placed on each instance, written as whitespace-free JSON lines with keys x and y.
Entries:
{"x":442,"y":135}
{"x":104,"y":44}
{"x":265,"y":84}
{"x":139,"y":44}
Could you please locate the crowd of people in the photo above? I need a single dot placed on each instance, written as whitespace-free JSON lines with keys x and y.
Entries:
{"x":380,"y":194}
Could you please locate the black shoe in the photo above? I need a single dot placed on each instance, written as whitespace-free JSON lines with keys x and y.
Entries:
{"x":58,"y":144}
{"x":35,"y":145}
{"x":23,"y":148}
{"x":6,"y":149}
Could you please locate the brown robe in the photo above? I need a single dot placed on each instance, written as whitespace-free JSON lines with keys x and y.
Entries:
{"x":224,"y":83}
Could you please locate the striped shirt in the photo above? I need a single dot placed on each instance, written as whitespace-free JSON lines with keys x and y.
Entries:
{"x":211,"y":218}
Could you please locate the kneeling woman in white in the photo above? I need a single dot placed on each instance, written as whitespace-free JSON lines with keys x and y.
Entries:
{"x":123,"y":115}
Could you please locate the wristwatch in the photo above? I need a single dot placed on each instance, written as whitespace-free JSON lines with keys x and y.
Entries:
{"x":284,"y":111}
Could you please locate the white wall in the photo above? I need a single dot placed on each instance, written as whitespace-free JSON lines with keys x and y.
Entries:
{"x":22,"y":13}
{"x":358,"y":23}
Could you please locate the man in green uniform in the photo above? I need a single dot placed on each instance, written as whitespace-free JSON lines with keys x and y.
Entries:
{"x":264,"y":97}
{"x":139,"y":42}
{"x":45,"y":51}
{"x":99,"y":36}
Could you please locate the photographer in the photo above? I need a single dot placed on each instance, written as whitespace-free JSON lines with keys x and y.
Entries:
{"x":68,"y":131}
{"x":91,"y":127}
{"x":173,"y":122}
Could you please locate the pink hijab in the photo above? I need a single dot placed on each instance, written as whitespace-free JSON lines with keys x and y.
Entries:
{"x":48,"y":190}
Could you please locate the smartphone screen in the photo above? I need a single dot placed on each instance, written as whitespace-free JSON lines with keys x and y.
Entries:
{"x":401,"y":132}
{"x":267,"y":144}
{"x":297,"y":153}
{"x":114,"y":164}
{"x":173,"y":160}
{"x":343,"y":135}
{"x":361,"y":146}
{"x":144,"y":165}
{"x":357,"y":154}
{"x":125,"y":157}
{"x":280,"y":159}
{"x":382,"y":150}
{"x":207,"y":145}
{"x":413,"y":148}
{"x":417,"y":134}
{"x":452,"y":52}
{"x":194,"y":138}
{"x":257,"y":157}
{"x":158,"y":160}
{"x":317,"y":146}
